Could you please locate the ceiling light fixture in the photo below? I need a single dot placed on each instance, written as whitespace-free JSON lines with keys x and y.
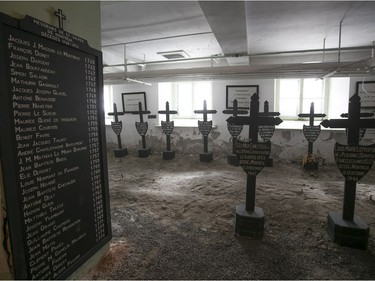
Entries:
{"x":329,"y":74}
{"x":137,"y":81}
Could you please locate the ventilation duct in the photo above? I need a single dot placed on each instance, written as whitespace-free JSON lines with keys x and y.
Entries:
{"x":171,"y":55}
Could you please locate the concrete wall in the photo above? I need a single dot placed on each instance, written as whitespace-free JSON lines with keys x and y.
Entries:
{"x":288,"y":142}
{"x":83,"y":20}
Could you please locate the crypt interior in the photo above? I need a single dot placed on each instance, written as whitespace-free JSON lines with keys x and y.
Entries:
{"x":228,"y":130}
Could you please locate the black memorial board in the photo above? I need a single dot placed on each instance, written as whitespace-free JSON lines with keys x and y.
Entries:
{"x":234,"y":130}
{"x":167,"y":127}
{"x":354,"y":161}
{"x":252,"y":156}
{"x":311,"y":133}
{"x":141,"y":127}
{"x":117,"y":127}
{"x":266,"y":132}
{"x":205,"y":127}
{"x":52,"y":148}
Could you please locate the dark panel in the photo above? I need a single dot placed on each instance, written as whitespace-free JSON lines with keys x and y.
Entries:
{"x":53,"y":148}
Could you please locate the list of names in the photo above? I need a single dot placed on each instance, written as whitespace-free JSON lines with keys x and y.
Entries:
{"x":53,"y":96}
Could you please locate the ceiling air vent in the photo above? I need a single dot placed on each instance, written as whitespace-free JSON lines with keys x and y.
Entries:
{"x":171,"y":55}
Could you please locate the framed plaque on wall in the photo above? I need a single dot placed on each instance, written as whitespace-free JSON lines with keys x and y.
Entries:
{"x":130,"y":102}
{"x":366,"y":91}
{"x":241,"y":93}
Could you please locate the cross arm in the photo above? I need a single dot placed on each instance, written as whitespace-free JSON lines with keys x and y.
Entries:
{"x":246,"y":120}
{"x":231,"y":111}
{"x":169,"y":112}
{"x":364,"y":114}
{"x":313,"y":115}
{"x":335,"y":123}
{"x":205,"y":111}
{"x":141,"y":112}
{"x":269,"y":114}
{"x":115,"y":113}
{"x":344,"y":123}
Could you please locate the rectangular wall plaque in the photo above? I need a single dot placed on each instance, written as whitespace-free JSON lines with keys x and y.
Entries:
{"x":241,"y":93}
{"x":52,"y":145}
{"x":366,"y":91}
{"x":130,"y":102}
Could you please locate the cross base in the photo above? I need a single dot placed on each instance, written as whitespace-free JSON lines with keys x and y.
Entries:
{"x":353,"y":234}
{"x":121,"y":152}
{"x":232,"y":159}
{"x":310,"y":166}
{"x":249,"y":225}
{"x":168,"y":155}
{"x":206,"y":157}
{"x":145,"y":152}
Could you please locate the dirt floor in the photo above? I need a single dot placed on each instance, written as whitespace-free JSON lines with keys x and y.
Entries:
{"x":175,"y":220}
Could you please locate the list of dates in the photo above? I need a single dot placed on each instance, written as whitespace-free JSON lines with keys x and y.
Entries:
{"x":53,"y":101}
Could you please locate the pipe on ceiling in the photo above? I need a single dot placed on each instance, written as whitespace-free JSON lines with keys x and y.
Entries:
{"x":156,"y":39}
{"x":370,"y":47}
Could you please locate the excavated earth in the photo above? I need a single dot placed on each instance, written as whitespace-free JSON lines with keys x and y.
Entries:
{"x":175,"y":219}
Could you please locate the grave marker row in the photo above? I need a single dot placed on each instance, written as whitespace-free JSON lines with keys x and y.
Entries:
{"x":353,"y":160}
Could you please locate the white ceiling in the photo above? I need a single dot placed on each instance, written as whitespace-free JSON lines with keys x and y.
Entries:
{"x":253,"y":38}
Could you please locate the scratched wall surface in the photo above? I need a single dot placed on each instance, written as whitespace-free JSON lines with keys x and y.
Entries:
{"x":287,"y":145}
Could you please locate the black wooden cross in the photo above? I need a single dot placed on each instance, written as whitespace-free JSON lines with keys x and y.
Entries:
{"x":61,"y":17}
{"x":353,"y":161}
{"x":353,"y":124}
{"x":362,"y":131}
{"x":141,"y":126}
{"x":234,"y":130}
{"x":252,"y":158}
{"x":266,"y":111}
{"x":266,"y":132}
{"x":311,"y":132}
{"x":168,"y":125}
{"x":117,"y":125}
{"x":253,"y":121}
{"x":205,"y":126}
